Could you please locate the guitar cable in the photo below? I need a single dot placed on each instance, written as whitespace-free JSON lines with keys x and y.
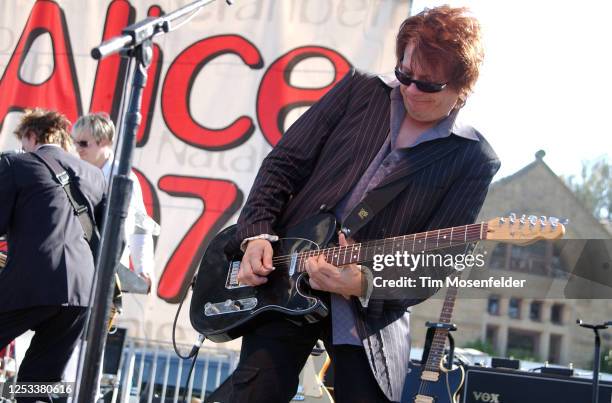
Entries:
{"x":195,"y":358}
{"x":196,"y":347}
{"x":200,"y":340}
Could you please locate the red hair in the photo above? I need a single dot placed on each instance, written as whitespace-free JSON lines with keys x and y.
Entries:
{"x":47,"y":127}
{"x":445,"y":39}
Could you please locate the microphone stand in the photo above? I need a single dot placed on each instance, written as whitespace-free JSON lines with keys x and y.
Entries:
{"x":596,"y":358}
{"x":135,"y":42}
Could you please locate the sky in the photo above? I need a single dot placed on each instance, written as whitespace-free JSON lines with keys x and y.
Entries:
{"x":545,"y":82}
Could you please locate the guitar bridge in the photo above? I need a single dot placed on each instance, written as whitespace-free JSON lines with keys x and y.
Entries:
{"x":229,"y":306}
{"x":232,"y":276}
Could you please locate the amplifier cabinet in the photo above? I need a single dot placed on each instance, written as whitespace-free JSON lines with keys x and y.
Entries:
{"x":496,"y":385}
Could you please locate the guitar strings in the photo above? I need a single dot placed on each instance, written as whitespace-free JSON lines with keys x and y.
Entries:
{"x":436,"y":349}
{"x":389,"y":241}
{"x":338,"y":256}
{"x":370,"y":246}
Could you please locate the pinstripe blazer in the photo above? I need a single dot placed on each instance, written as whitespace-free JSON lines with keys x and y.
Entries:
{"x":322,"y":156}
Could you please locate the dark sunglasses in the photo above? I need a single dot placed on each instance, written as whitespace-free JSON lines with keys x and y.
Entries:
{"x":81,"y":143}
{"x":424,"y":86}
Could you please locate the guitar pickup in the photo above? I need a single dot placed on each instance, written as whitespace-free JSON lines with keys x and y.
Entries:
{"x":229,"y":306}
{"x":232,"y":276}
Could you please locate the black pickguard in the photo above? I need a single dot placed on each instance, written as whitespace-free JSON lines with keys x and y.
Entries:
{"x":284,"y":294}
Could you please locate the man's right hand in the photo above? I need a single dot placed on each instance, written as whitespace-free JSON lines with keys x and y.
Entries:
{"x":256,"y":263}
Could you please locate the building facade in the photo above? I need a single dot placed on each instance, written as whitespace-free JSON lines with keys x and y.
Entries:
{"x":539,"y":322}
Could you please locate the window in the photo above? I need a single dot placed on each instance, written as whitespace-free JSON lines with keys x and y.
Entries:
{"x":535,"y":311}
{"x":532,"y":259}
{"x":522,"y":344}
{"x":554,"y":349}
{"x":556,"y":314}
{"x":558,"y":264}
{"x":493,"y":305}
{"x":514,"y":308}
{"x":491,"y":336}
{"x":499,"y":257}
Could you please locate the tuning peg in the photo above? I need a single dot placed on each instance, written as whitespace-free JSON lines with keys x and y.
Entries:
{"x":512,"y":217}
{"x":565,"y":221}
{"x":554,"y":221}
{"x":543,"y":218}
{"x":502,"y":220}
{"x":533,"y":220}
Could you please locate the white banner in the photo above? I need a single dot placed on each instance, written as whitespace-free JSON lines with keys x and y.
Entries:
{"x":222,"y":89}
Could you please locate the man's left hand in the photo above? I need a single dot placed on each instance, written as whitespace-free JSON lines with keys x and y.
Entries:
{"x":344,"y":280}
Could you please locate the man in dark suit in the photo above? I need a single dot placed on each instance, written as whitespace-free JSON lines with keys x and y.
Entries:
{"x":47,"y":280}
{"x":367,"y":132}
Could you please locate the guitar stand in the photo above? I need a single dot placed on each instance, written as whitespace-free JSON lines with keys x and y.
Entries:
{"x":431,"y":328}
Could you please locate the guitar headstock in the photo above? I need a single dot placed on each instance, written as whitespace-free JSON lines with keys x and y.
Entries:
{"x":525,"y":230}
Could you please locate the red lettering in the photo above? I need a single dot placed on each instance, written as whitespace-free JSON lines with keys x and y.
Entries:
{"x":59,"y":92}
{"x":277,"y":97}
{"x":221,"y":199}
{"x":176,"y":93}
{"x":111,"y":72}
{"x":149,"y":196}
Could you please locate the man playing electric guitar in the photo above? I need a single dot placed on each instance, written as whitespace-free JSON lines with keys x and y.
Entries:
{"x":365,"y":133}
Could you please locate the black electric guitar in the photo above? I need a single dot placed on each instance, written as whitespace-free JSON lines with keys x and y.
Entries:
{"x":221,"y":308}
{"x":434,"y":382}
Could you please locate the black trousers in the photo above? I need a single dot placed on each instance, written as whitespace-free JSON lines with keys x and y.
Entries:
{"x":56,"y":332}
{"x":274,"y":353}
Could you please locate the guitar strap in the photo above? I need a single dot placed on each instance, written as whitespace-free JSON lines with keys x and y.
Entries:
{"x":359,"y":216}
{"x":371,"y":205}
{"x":85,"y":216}
{"x":77,"y":200}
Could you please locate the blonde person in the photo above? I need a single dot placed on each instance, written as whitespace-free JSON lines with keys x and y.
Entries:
{"x":93,"y":137}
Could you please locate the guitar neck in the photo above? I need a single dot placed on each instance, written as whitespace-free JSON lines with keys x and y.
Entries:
{"x":436,"y":350}
{"x":415,"y":243}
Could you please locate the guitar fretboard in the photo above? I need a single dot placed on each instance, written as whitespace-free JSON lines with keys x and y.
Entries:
{"x":415,"y":243}
{"x":436,"y":351}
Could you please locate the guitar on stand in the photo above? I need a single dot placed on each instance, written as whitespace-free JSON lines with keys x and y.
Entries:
{"x":435,"y":379}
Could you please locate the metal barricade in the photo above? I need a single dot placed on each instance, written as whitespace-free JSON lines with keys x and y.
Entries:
{"x":151,"y":372}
